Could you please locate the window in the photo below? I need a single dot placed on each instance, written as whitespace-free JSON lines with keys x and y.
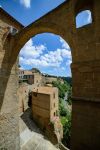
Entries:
{"x":25,"y":77}
{"x":83,"y":18}
{"x":54,"y":104}
{"x":35,"y":94}
{"x":57,"y":113}
{"x":54,"y":95}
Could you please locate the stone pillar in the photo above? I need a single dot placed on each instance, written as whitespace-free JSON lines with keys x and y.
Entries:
{"x":9,"y":125}
{"x":86,"y":85}
{"x":86,"y":106}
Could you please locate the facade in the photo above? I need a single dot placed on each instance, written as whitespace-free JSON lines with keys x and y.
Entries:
{"x":26,"y":76}
{"x":45,"y":110}
{"x":49,"y":79}
{"x":23,"y":97}
{"x":36,"y":77}
{"x":30,"y":77}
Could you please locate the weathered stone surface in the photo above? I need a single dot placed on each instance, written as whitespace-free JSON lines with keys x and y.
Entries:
{"x":85,"y":45}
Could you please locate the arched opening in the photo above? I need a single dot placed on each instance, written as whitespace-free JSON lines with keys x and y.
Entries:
{"x":47,"y":57}
{"x":83,"y":18}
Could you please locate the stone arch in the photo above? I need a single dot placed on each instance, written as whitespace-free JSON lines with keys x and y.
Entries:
{"x":85,"y":43}
{"x":36,"y":28}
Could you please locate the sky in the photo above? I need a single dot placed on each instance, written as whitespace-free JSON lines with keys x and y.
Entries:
{"x":46,"y":51}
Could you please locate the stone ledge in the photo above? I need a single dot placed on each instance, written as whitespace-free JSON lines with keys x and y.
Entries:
{"x":95,"y":100}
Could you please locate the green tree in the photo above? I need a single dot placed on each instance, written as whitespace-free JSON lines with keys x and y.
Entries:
{"x":69,"y":98}
{"x":62,"y":87}
{"x":66,"y":122}
{"x":65,"y":115}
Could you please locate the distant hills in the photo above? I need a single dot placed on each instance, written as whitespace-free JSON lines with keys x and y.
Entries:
{"x":68,"y":79}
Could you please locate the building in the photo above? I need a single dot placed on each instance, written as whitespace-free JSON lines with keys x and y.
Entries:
{"x":30,"y":77}
{"x":26,"y":76}
{"x":50,"y":79}
{"x":45,"y":111}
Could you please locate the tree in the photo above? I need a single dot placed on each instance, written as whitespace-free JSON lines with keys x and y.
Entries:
{"x":69,"y":98}
{"x":65,"y":114}
{"x":62,"y":88}
{"x":66,"y":122}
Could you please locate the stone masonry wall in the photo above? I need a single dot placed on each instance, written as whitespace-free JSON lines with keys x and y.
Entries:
{"x":85,"y":45}
{"x":9,"y":126}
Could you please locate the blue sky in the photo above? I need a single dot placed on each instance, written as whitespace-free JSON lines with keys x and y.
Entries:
{"x":48,"y":52}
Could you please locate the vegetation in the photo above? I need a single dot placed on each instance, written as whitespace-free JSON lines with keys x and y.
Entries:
{"x":68,"y":80}
{"x":35,"y":70}
{"x":65,"y":114}
{"x":62,"y":87}
{"x":69,"y":96}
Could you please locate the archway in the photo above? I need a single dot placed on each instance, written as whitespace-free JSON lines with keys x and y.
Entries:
{"x":61,"y":50}
{"x":40,"y":27}
{"x":46,"y":46}
{"x":86,"y":70}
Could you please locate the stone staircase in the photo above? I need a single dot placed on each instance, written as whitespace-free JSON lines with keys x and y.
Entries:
{"x":31,"y":137}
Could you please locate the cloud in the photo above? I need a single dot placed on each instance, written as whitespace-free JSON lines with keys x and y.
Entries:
{"x":63,"y":68}
{"x":89,"y":18}
{"x":69,"y":61}
{"x":64,"y":44}
{"x":22,"y":68}
{"x":38,"y":56}
{"x":26,"y":3}
{"x":0,"y":6}
{"x":66,"y":53}
{"x":31,"y":51}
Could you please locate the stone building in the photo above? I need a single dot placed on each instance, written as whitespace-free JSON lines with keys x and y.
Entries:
{"x":45,"y":111}
{"x":26,"y":76}
{"x":30,"y":77}
{"x":36,"y":77}
{"x":50,"y":79}
{"x":23,"y":97}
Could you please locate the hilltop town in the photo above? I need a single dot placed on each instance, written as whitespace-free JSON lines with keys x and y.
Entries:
{"x":34,"y":76}
{"x":39,"y":94}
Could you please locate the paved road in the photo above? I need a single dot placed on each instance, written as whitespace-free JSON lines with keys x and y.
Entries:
{"x":31,"y":137}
